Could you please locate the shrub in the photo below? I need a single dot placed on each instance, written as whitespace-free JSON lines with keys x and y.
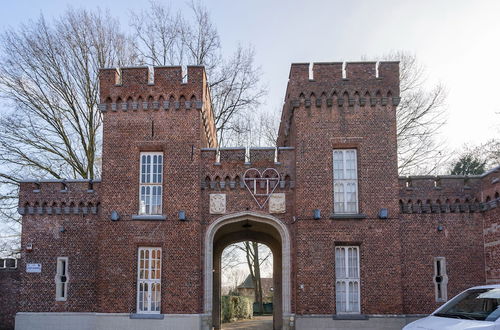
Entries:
{"x":236,"y":308}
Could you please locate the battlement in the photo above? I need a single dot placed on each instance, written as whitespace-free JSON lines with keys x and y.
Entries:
{"x":268,"y":155}
{"x":328,"y":71}
{"x":343,"y":84}
{"x":224,"y":168}
{"x":449,"y":193}
{"x":152,"y":88}
{"x":53,"y":197}
{"x":343,"y":89}
{"x":137,"y":77}
{"x":138,"y":89}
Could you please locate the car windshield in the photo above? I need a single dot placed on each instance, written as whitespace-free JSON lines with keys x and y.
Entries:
{"x":474,"y":304}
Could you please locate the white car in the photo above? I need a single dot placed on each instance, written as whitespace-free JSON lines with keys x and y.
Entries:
{"x":475,"y":308}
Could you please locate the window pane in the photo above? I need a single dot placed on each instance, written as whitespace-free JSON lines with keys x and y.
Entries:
{"x":143,"y":169}
{"x":351,"y":195}
{"x":142,"y":203}
{"x":146,"y":296}
{"x":340,"y":295}
{"x":353,"y":297}
{"x":148,"y":200}
{"x":160,"y":168}
{"x":339,"y":198}
{"x":353,"y":263}
{"x":338,"y":165}
{"x":141,"y":297}
{"x":155,"y":169}
{"x":351,"y":164}
{"x":340,"y":262}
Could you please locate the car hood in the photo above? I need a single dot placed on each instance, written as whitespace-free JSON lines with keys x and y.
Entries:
{"x":445,"y":323}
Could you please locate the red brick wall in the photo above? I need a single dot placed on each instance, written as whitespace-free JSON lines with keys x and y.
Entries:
{"x":380,"y":264}
{"x":48,"y":209}
{"x":319,"y":115}
{"x":460,"y":242}
{"x":491,"y":223}
{"x":9,"y":297}
{"x":492,"y":244}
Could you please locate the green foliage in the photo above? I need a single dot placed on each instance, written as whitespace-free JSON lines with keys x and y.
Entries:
{"x":468,"y":164}
{"x":236,"y":308}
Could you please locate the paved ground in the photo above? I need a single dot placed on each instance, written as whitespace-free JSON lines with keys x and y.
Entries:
{"x":258,"y":322}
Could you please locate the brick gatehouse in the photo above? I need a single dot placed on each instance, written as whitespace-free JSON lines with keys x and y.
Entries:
{"x":354,"y":245}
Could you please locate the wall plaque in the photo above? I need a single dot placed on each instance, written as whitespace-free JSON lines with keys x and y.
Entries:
{"x":277,"y":203}
{"x":217,"y":203}
{"x":33,"y":268}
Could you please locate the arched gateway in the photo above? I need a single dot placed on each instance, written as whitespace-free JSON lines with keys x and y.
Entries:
{"x":237,"y":227}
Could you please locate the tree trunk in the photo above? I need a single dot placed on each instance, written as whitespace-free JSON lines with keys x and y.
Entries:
{"x":258,"y":280}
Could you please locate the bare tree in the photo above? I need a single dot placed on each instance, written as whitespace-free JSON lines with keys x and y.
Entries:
{"x":257,"y":257}
{"x":254,"y":129}
{"x":48,"y":77}
{"x":420,"y":116}
{"x":165,"y":38}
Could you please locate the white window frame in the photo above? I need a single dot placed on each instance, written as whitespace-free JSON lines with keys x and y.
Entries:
{"x":440,"y":288}
{"x":145,"y":278}
{"x":146,"y":184}
{"x":344,"y":183}
{"x":347,"y":279}
{"x":62,"y":267}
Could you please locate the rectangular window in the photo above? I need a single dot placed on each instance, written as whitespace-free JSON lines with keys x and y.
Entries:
{"x":345,"y":181}
{"x":440,"y":279}
{"x":10,"y":263}
{"x":151,"y":179}
{"x":149,"y":280}
{"x":62,"y":279}
{"x":347,"y":280}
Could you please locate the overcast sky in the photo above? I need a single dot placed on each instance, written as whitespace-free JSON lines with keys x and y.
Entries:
{"x":457,"y":41}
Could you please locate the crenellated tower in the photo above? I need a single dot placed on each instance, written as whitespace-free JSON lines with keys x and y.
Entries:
{"x":155,"y":123}
{"x":352,"y":105}
{"x":154,"y":110}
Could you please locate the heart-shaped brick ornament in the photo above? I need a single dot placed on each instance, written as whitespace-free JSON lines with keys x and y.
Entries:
{"x":261,"y":185}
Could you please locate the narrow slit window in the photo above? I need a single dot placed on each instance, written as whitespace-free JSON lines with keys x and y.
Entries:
{"x":62,"y":279}
{"x":440,"y":279}
{"x":151,"y":180}
{"x":149,"y":280}
{"x":347,"y":282}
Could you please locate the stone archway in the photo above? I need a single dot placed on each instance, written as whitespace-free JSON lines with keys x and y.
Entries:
{"x":263,"y":228}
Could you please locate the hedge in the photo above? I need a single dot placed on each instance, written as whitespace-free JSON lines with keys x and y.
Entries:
{"x":236,"y":308}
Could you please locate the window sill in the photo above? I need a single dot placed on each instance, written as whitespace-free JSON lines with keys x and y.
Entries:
{"x":147,"y":316}
{"x":350,"y":317}
{"x":149,"y":217}
{"x":348,"y":216}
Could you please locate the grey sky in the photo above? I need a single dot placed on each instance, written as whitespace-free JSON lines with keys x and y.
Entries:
{"x":457,"y":41}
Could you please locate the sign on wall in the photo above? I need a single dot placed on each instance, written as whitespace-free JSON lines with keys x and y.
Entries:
{"x":33,"y":268}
